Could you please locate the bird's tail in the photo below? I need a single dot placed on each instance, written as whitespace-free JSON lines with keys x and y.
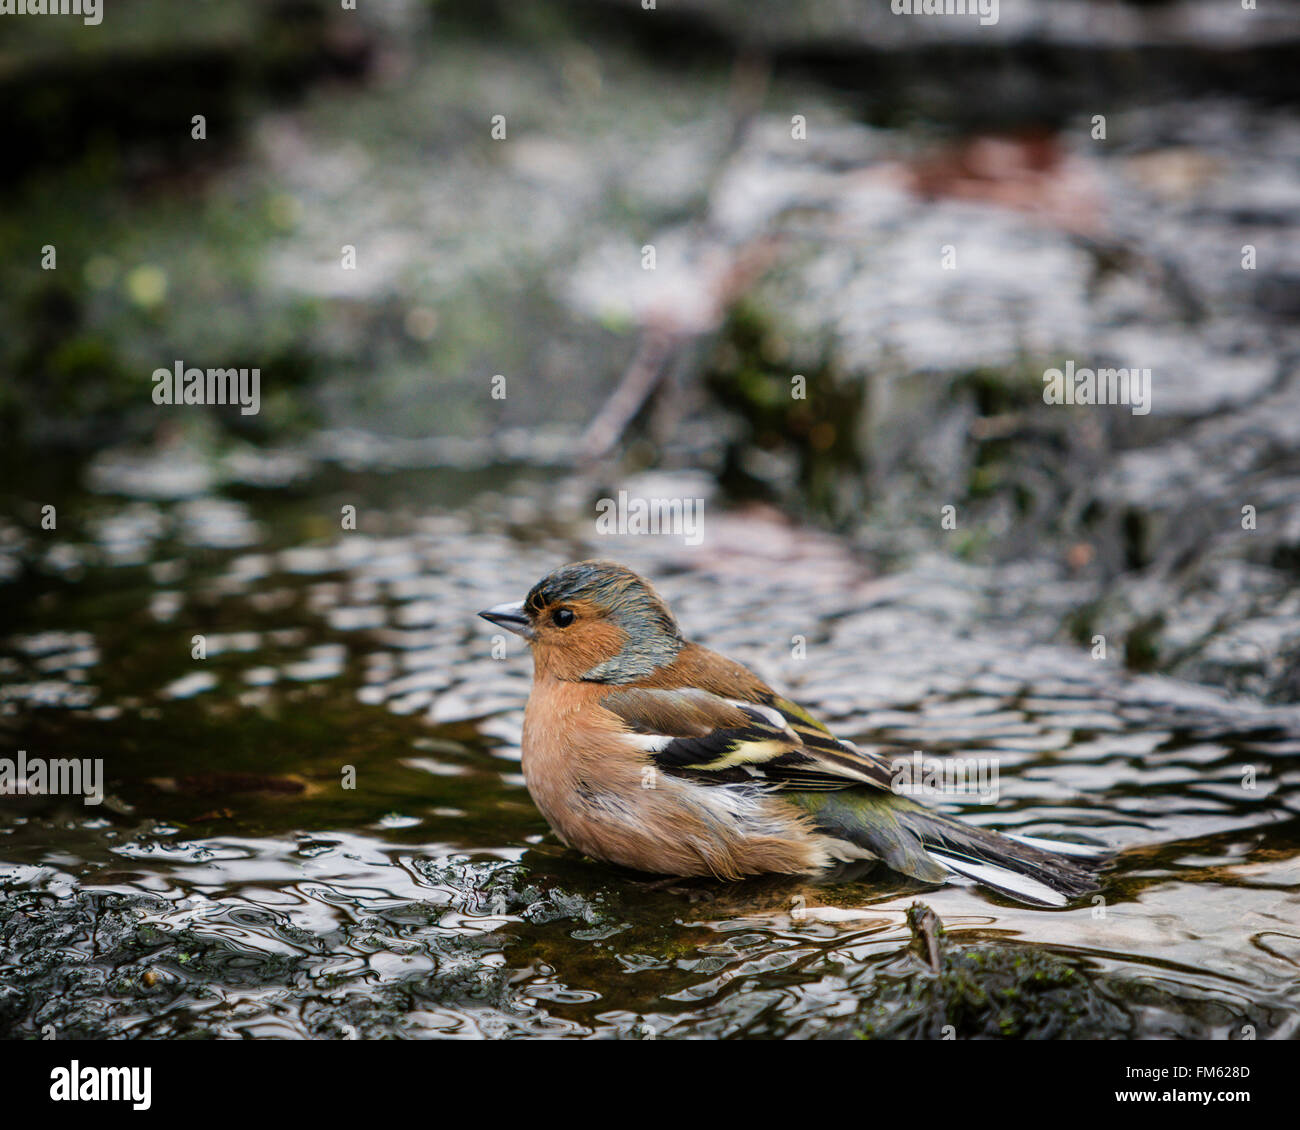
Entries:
{"x":930,"y":846}
{"x":1040,"y":871}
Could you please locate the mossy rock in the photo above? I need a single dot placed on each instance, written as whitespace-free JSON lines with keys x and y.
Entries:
{"x":986,"y":992}
{"x":793,"y":405}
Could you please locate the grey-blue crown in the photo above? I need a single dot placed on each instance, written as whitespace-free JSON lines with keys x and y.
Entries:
{"x":653,"y":637}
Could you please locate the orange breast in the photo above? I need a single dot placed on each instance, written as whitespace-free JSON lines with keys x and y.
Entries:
{"x":603,"y":796}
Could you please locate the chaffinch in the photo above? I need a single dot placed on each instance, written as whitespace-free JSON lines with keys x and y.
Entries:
{"x":647,"y":751}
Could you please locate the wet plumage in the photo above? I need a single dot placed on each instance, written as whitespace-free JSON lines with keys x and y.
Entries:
{"x":646,"y":750}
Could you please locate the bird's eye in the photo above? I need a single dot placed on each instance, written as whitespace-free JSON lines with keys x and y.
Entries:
{"x":562,"y":617}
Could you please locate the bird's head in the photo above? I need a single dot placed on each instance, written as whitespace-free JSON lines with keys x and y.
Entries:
{"x":593,"y":621}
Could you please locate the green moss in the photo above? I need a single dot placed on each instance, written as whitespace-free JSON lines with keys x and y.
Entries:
{"x":1142,"y":645}
{"x":997,"y":392}
{"x":986,"y":991}
{"x":817,"y":420}
{"x":1081,"y":624}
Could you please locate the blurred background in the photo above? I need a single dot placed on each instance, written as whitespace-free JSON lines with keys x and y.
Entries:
{"x":778,"y":249}
{"x":592,"y":244}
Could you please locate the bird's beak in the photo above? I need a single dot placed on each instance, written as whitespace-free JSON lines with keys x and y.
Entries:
{"x":510,"y":616}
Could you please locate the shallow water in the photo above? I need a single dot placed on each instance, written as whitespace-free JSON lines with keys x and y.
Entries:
{"x":230,"y":885}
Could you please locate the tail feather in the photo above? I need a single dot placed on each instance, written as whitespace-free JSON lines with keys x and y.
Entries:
{"x":929,"y":846}
{"x":1023,"y":869}
{"x":1007,"y":881}
{"x":1060,"y":847}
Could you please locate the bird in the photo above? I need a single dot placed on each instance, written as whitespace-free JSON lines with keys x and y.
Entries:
{"x":647,"y":751}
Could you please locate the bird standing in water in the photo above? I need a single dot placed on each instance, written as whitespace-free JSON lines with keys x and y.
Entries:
{"x":648,"y":751}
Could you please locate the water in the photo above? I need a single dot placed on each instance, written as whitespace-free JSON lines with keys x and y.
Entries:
{"x":230,"y":885}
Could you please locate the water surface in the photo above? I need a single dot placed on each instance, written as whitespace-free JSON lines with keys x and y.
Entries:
{"x":231,"y":886}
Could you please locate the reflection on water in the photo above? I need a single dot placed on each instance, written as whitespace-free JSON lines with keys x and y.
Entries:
{"x":320,"y":828}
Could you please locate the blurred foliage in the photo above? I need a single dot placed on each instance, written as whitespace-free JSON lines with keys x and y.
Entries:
{"x":137,"y":278}
{"x":123,"y":247}
{"x":753,"y":374}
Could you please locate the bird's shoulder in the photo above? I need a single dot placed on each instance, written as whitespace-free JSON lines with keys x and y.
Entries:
{"x":711,"y":718}
{"x":698,"y":668}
